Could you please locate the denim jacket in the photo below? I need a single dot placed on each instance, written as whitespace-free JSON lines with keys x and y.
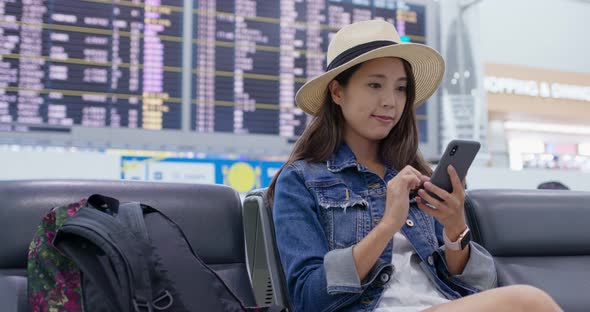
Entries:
{"x":322,"y":209}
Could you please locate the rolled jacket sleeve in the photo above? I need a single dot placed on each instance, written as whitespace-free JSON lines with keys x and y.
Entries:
{"x":342,"y":276}
{"x":341,"y":273}
{"x":479,"y":271}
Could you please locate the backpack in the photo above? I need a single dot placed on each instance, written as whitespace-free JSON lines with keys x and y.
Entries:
{"x":102,"y":255}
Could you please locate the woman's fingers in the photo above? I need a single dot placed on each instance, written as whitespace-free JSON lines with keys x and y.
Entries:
{"x":442,"y":194}
{"x":455,"y":181}
{"x":430,"y":199}
{"x":431,"y":210}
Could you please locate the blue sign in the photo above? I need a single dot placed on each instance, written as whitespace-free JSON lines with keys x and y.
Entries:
{"x":242,"y":175}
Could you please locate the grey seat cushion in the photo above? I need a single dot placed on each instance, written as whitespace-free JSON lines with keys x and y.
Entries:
{"x":537,"y":237}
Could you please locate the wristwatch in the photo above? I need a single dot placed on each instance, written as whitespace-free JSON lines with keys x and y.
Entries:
{"x":460,"y":243}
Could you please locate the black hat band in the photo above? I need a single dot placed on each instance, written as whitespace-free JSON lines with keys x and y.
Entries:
{"x":356,"y":51}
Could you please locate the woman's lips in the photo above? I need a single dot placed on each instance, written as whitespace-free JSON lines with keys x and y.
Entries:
{"x":383,"y":119}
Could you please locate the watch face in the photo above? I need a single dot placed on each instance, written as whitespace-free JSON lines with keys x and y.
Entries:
{"x":465,"y":240}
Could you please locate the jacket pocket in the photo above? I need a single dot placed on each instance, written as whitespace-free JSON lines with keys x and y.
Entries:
{"x":344,"y":213}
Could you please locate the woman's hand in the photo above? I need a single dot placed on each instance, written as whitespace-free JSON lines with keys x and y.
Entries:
{"x":397,"y":204}
{"x":397,"y":201}
{"x":449,"y":211}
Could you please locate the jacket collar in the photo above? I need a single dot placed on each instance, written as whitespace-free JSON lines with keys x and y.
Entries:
{"x":344,"y":158}
{"x":341,"y":159}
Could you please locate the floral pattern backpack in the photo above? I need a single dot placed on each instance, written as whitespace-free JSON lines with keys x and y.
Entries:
{"x":53,"y":279}
{"x":103,"y":255}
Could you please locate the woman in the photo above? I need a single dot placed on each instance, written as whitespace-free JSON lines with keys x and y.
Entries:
{"x":348,"y":234}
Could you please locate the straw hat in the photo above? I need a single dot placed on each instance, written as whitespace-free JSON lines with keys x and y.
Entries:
{"x":363,"y":41}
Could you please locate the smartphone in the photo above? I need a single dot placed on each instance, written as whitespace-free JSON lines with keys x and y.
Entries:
{"x":460,"y":154}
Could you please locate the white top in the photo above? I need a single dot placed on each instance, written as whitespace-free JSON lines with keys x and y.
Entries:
{"x":410,"y":288}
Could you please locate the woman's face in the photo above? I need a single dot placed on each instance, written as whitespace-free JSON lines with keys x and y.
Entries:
{"x":373,"y":100}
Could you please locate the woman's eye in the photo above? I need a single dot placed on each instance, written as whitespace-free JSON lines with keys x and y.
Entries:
{"x":375,"y":85}
{"x":402,"y":88}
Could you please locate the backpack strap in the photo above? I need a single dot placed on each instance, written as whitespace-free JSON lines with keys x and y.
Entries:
{"x":205,"y":280}
{"x":120,"y":245}
{"x":131,"y":215}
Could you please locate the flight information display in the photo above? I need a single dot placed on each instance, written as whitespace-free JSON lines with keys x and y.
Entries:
{"x":119,"y":63}
{"x":91,"y":63}
{"x":252,"y":57}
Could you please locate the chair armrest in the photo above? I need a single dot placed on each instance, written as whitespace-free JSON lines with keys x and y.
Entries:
{"x":255,"y":204}
{"x":13,"y":294}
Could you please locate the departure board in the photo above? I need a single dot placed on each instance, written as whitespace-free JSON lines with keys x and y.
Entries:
{"x":90,"y":63}
{"x":252,"y":57}
{"x":68,"y":64}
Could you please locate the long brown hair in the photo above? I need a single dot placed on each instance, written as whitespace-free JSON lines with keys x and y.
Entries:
{"x":324,"y":134}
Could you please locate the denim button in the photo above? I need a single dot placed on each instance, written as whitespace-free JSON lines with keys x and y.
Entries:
{"x":384,"y":277}
{"x":375,"y":185}
{"x":430,"y":260}
{"x":410,"y":223}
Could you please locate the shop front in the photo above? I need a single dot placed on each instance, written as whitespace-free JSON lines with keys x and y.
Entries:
{"x":539,"y":118}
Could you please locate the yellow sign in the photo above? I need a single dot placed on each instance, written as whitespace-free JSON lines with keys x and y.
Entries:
{"x":241,"y":176}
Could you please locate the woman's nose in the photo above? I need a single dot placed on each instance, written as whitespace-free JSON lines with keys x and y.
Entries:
{"x":388,"y":101}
